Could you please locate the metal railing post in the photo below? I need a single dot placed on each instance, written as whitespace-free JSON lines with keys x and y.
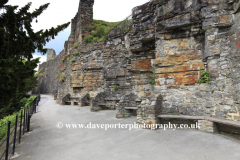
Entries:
{"x":24,"y":120}
{"x":35,"y":106}
{"x":7,"y":144}
{"x":28,"y":123}
{"x":20,"y":131}
{"x":15,"y":134}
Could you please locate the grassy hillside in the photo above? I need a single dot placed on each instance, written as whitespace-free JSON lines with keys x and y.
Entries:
{"x":97,"y":29}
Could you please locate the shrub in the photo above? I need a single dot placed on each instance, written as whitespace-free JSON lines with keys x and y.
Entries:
{"x":153,"y":75}
{"x":90,"y":27}
{"x":88,"y":38}
{"x":73,"y":60}
{"x":100,"y":31}
{"x":94,"y":33}
{"x":75,"y":53}
{"x":75,"y":45}
{"x":63,"y":78}
{"x":95,"y":40}
{"x":63,"y":57}
{"x":101,"y":40}
{"x":205,"y":77}
{"x":152,"y":82}
{"x":115,"y":88}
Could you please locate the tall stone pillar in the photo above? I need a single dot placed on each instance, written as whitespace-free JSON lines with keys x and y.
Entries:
{"x":82,"y":20}
{"x":51,"y":54}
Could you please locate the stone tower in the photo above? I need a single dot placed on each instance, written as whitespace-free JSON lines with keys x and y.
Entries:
{"x":82,"y":19}
{"x":51,"y":54}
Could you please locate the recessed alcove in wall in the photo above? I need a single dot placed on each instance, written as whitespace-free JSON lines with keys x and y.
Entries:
{"x":77,"y":89}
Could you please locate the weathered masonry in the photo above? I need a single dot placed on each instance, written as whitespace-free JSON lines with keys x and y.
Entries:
{"x":152,"y":67}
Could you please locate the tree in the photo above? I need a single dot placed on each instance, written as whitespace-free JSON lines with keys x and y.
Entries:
{"x":17,"y":44}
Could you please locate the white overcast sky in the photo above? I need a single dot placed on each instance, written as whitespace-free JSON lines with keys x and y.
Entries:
{"x":62,"y":11}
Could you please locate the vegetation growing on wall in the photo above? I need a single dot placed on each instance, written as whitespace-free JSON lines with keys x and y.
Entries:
{"x":115,"y":88}
{"x":205,"y":77}
{"x":63,"y":78}
{"x":64,"y":57}
{"x":60,"y":69}
{"x":72,"y":60}
{"x":152,"y":82}
{"x":97,"y":29}
{"x":75,"y":52}
{"x":40,"y":72}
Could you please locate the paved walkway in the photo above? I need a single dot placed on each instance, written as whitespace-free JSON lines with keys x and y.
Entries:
{"x":46,"y":141}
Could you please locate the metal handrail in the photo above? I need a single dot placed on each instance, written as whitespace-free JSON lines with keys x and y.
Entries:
{"x":24,"y":116}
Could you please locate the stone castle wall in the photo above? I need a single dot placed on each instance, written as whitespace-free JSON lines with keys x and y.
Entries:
{"x":48,"y":81}
{"x":51,"y":54}
{"x":174,"y":40}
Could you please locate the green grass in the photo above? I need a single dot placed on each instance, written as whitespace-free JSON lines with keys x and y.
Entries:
{"x":212,"y":41}
{"x":88,"y":39}
{"x":209,"y":27}
{"x":73,"y":60}
{"x":75,"y":45}
{"x":98,"y":29}
{"x":175,"y":114}
{"x":75,"y":53}
{"x":95,"y":39}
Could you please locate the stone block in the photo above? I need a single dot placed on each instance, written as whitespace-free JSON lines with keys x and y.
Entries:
{"x":203,"y":87}
{"x":207,"y":126}
{"x":180,"y":78}
{"x":175,"y":22}
{"x":236,"y":6}
{"x":142,"y":65}
{"x":182,"y":68}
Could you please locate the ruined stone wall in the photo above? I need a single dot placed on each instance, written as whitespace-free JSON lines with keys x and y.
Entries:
{"x":51,"y":54}
{"x":188,"y":35}
{"x":159,"y":60}
{"x":81,"y":21}
{"x":48,"y":82}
